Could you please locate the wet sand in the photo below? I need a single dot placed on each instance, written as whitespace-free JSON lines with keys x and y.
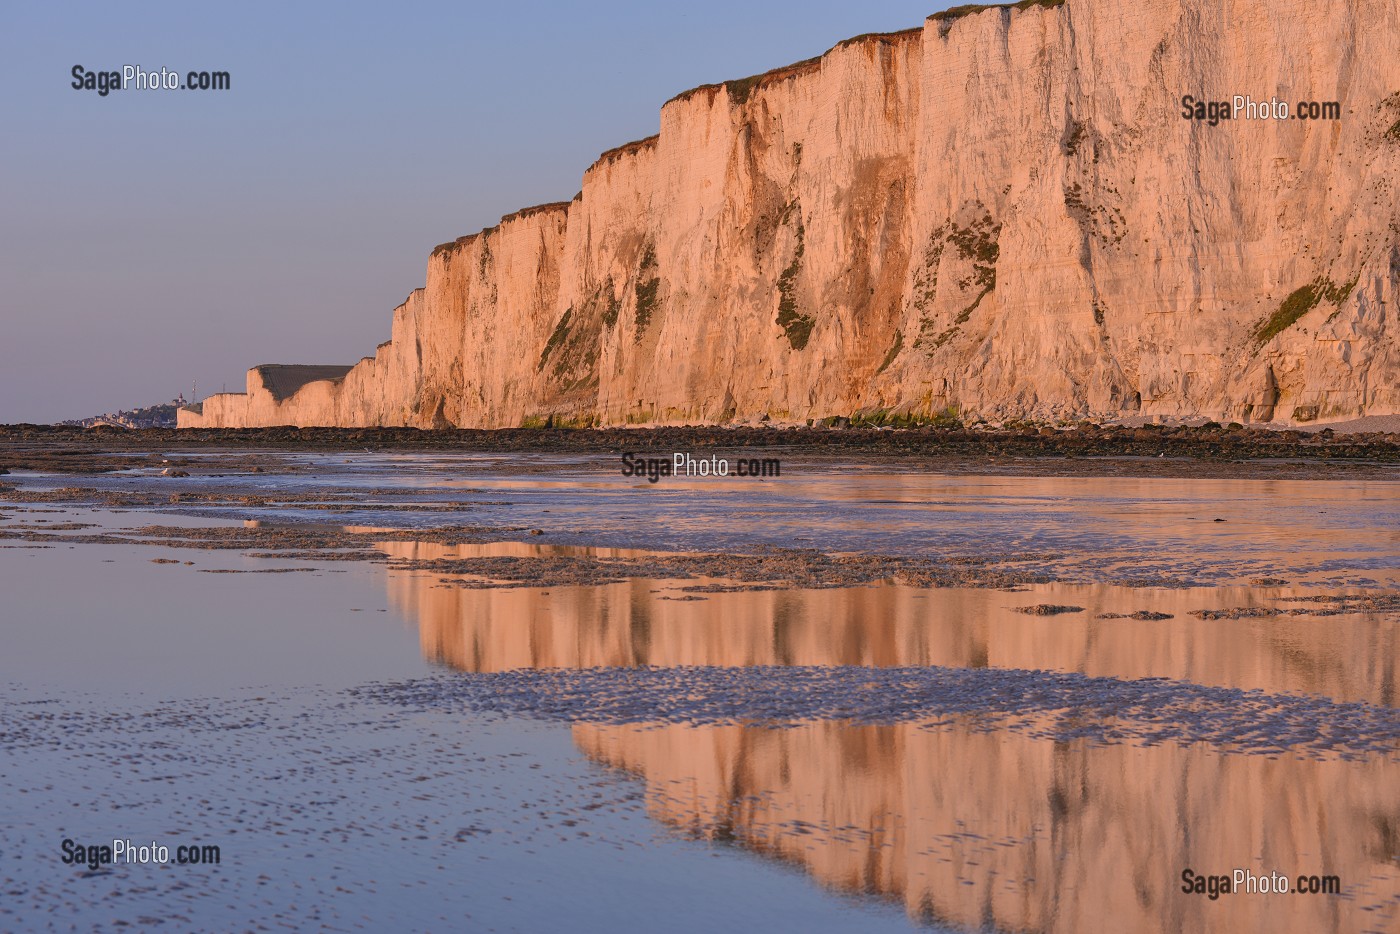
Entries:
{"x":862,"y":697}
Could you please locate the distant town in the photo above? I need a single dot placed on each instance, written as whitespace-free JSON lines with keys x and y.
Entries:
{"x":152,"y":416}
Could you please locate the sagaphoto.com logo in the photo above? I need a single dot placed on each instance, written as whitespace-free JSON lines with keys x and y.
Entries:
{"x":682,"y":464}
{"x":1243,"y":107}
{"x":134,"y":77}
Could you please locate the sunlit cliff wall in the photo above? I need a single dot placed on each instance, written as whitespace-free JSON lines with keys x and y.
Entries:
{"x":1002,"y":214}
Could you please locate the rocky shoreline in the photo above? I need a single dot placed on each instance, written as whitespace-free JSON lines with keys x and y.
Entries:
{"x":63,"y":449}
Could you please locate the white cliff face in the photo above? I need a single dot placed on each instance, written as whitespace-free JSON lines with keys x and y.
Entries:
{"x":1000,"y":215}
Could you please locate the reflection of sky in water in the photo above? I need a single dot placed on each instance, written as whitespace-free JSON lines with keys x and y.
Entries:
{"x":155,"y":702}
{"x":336,"y":816}
{"x":104,"y":618}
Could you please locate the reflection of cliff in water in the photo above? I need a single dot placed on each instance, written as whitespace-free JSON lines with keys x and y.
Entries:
{"x":1003,"y":830}
{"x":648,"y":622}
{"x":976,"y":828}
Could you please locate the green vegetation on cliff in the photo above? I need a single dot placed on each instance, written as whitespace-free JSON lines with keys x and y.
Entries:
{"x":646,"y":288}
{"x":796,"y":325}
{"x":1298,"y":303}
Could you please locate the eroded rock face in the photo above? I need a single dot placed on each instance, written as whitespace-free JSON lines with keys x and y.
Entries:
{"x":999,"y":215}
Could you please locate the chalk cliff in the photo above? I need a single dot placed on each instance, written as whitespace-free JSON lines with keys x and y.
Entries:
{"x":1001,"y":214}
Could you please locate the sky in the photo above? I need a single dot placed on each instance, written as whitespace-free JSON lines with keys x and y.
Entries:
{"x":154,"y":240}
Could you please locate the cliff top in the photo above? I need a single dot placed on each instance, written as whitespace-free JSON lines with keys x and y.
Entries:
{"x":741,"y":88}
{"x":879,"y":37}
{"x":521,"y":214}
{"x":532,"y":211}
{"x":451,"y":245}
{"x":958,"y":12}
{"x":617,"y":152}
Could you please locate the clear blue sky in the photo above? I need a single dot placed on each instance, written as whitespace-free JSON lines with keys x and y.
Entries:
{"x":152,"y":239}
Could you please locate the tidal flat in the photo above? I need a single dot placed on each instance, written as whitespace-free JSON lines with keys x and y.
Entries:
{"x":506,"y":690}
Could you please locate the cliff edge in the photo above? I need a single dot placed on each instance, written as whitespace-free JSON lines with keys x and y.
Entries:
{"x":1010,"y":212}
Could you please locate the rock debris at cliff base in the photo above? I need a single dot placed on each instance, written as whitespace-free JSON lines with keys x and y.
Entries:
{"x":1084,"y":449}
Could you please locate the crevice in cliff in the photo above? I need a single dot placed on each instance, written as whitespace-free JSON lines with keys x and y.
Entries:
{"x":894,"y":352}
{"x":440,"y":420}
{"x":575,"y":345}
{"x":557,"y":337}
